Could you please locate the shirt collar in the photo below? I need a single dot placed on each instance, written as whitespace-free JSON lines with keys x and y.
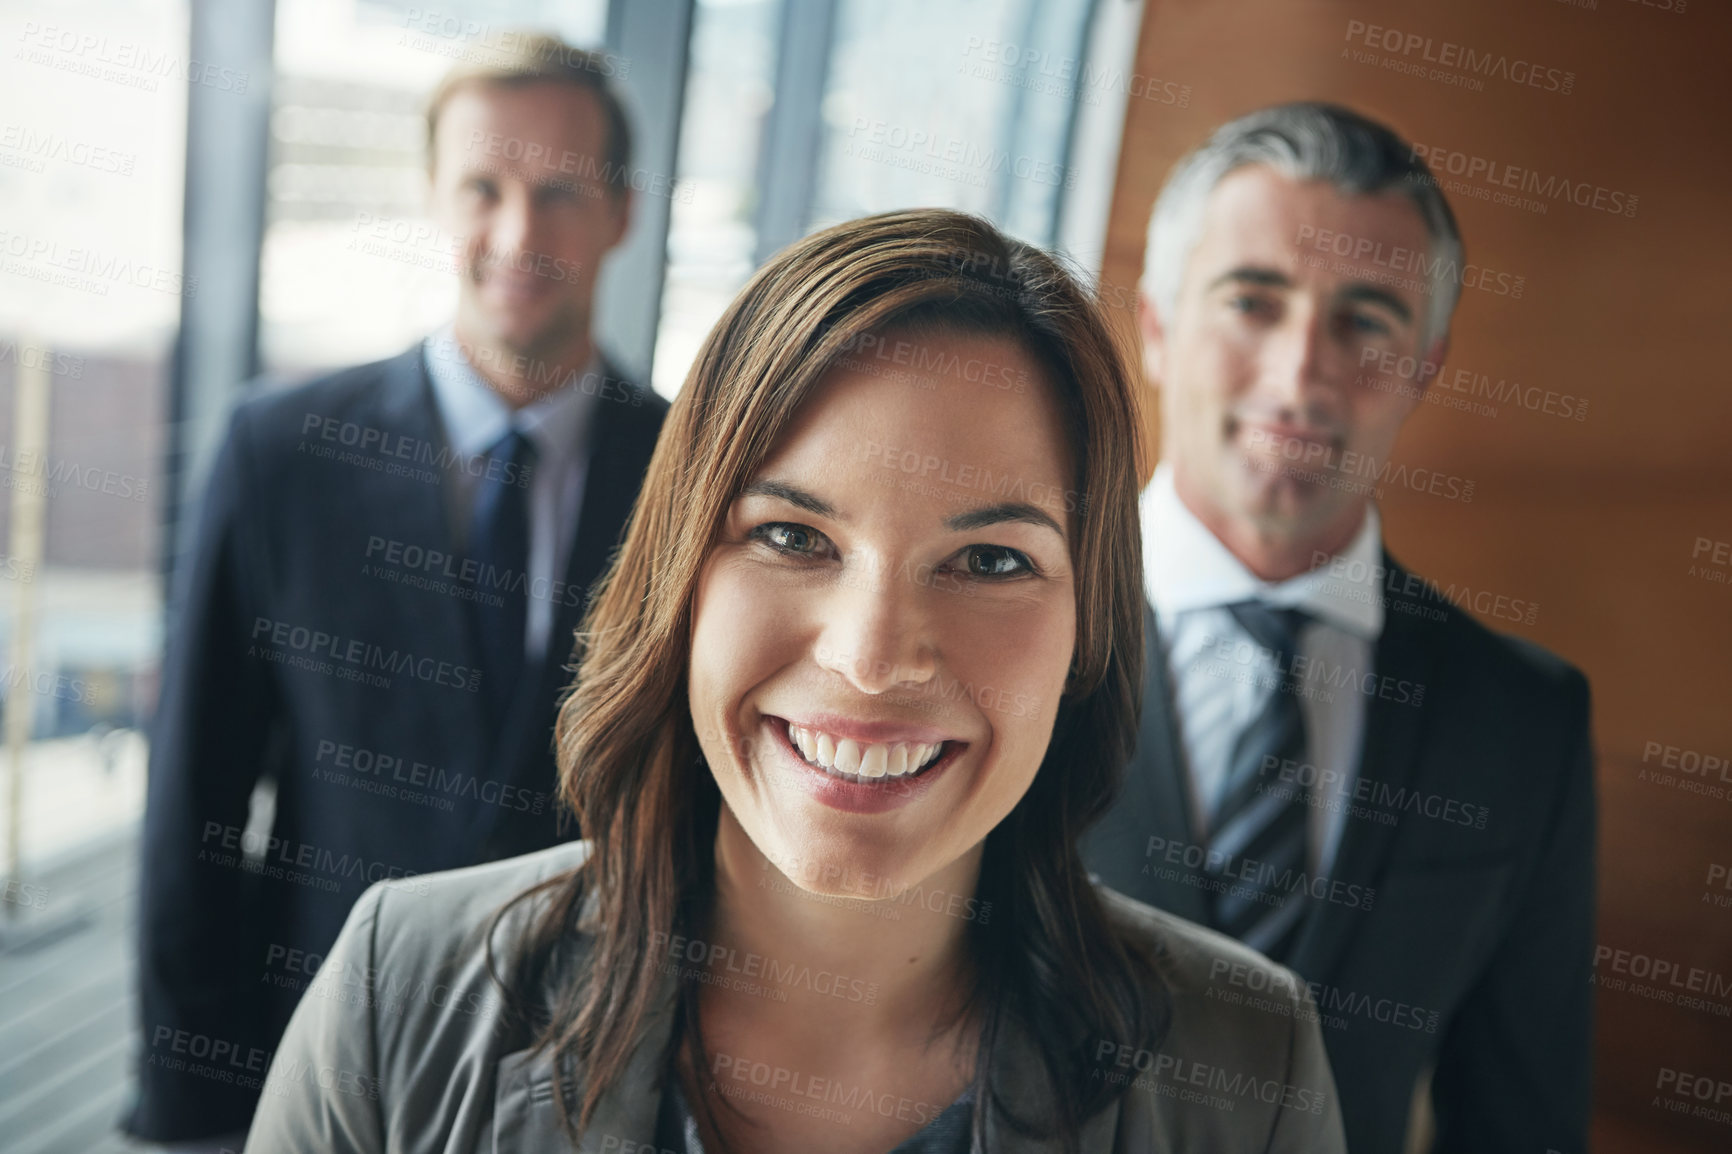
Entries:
{"x":475,"y":417}
{"x":1186,"y":567}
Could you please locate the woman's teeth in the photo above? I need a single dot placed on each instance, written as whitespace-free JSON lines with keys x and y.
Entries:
{"x":850,"y":758}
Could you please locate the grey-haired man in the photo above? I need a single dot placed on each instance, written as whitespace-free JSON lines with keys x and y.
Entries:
{"x":1337,"y":765}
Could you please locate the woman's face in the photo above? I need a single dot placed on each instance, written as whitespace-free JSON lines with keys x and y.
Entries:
{"x":885,"y":624}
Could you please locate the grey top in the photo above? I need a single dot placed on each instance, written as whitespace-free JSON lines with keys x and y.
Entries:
{"x":396,"y":1047}
{"x":677,"y":1130}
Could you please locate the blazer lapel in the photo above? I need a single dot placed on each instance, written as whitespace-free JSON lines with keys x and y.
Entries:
{"x":526,"y":1119}
{"x":1018,"y":1069}
{"x":1405,"y":651}
{"x":1152,"y":801}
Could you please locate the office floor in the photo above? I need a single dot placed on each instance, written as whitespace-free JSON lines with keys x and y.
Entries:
{"x":67,"y":1014}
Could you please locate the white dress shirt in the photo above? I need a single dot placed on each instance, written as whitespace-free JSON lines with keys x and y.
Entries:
{"x":474,"y":419}
{"x":1221,"y":679}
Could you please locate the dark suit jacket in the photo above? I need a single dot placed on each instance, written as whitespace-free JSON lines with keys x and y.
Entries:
{"x":319,"y":643}
{"x":1444,"y":945}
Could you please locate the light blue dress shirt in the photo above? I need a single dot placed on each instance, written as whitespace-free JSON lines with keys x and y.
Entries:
{"x":474,"y":417}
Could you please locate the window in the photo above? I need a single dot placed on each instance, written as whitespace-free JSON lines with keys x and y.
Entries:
{"x":965,"y":106}
{"x":92,"y":152}
{"x":712,"y":231}
{"x":352,"y":269}
{"x":968,"y":105}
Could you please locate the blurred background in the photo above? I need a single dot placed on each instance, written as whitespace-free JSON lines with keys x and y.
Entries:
{"x":182,"y":188}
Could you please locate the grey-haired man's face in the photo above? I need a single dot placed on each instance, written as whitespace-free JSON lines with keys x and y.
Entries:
{"x":1277,"y":412}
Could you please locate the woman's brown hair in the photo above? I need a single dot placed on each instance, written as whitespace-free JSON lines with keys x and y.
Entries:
{"x":1049,"y":959}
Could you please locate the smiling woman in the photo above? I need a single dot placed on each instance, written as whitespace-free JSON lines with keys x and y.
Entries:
{"x":866,"y":665}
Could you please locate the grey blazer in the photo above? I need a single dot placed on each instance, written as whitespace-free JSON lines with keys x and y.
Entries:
{"x":398,"y":1044}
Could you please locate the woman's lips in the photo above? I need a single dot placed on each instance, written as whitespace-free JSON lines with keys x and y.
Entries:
{"x":839,"y":726}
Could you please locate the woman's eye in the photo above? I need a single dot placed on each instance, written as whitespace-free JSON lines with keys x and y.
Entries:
{"x":995,"y":561}
{"x":788,"y":538}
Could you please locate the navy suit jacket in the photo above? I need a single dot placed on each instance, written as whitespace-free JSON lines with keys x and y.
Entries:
{"x":321,"y":641}
{"x":1455,"y":932}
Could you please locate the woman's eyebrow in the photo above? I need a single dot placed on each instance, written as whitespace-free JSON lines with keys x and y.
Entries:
{"x":1000,"y":513}
{"x":794,"y":495}
{"x":1005,"y":511}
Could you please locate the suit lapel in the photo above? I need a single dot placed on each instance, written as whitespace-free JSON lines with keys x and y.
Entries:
{"x":1393,"y":728}
{"x":1163,"y":758}
{"x":1152,"y":801}
{"x":413,"y":510}
{"x":617,"y":456}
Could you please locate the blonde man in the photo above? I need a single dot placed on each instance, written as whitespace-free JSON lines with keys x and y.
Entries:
{"x":378,"y":609}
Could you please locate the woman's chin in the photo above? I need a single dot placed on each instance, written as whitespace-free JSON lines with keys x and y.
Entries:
{"x":838,"y":874}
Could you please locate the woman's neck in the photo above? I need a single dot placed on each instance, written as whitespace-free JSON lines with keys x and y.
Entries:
{"x":882,"y":966}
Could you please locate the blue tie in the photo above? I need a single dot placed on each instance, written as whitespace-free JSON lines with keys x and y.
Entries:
{"x":499,"y":544}
{"x":1257,"y":838}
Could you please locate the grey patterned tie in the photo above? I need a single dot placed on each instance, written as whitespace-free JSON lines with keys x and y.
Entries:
{"x":1256,"y":844}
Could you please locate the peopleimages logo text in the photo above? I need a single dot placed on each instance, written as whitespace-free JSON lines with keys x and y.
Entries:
{"x":1448,"y":54}
{"x":313,"y":644}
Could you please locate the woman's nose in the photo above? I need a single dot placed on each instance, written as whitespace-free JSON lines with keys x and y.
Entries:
{"x":877,"y":633}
